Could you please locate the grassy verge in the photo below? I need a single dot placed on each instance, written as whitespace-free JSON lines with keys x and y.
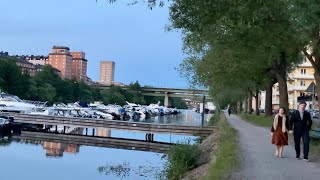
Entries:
{"x":257,"y":120}
{"x":226,"y":156}
{"x":183,"y":157}
{"x":315,"y":147}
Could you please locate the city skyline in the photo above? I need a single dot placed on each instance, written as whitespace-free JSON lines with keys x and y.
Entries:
{"x":135,"y":40}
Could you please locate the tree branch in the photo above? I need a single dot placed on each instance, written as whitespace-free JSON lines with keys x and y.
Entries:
{"x":251,"y":93}
{"x":310,"y":58}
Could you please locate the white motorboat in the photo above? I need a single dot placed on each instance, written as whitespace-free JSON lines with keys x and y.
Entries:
{"x":12,"y":103}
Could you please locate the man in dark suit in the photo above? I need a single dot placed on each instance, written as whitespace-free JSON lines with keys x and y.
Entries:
{"x":301,"y":122}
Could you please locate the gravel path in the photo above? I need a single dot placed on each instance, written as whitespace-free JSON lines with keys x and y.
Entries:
{"x":258,"y":161}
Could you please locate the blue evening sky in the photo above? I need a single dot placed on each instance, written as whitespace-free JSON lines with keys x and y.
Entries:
{"x":132,"y":36}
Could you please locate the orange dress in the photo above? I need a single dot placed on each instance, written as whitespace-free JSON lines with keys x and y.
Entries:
{"x":279,"y":138}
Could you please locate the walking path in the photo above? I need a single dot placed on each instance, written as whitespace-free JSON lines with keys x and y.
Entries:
{"x":257,"y":156}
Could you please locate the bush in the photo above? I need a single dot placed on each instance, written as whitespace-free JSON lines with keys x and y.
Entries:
{"x":181,"y":158}
{"x":215,"y":118}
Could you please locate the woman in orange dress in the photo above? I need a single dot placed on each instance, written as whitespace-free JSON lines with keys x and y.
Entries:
{"x":279,"y":131}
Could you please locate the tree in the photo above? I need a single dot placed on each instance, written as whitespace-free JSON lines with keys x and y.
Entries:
{"x":306,"y":17}
{"x":46,"y":92}
{"x":12,"y":80}
{"x":256,"y":34}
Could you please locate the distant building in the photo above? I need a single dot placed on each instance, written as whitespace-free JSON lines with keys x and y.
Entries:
{"x":298,"y":81}
{"x":91,"y":82}
{"x":4,"y":54}
{"x":107,"y":69}
{"x":118,"y":84}
{"x":79,"y":66}
{"x":41,"y":60}
{"x":61,"y":59}
{"x":39,"y":68}
{"x":25,"y":66}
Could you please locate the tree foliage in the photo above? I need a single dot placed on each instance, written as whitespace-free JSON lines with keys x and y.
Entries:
{"x":237,"y":47}
{"x":46,"y":85}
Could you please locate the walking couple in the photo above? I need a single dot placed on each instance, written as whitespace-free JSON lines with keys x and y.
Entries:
{"x":299,"y":124}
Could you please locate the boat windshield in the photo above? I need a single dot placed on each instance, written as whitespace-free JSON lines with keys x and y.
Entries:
{"x":8,"y":97}
{"x":17,"y":98}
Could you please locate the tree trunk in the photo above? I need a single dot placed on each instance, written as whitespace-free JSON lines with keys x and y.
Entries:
{"x":250,"y":103}
{"x":268,"y":108}
{"x":240,"y":108}
{"x":317,"y":78}
{"x":281,"y":75}
{"x":246,"y":105}
{"x":257,"y":102}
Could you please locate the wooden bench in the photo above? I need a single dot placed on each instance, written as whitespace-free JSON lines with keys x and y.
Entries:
{"x":315,"y":133}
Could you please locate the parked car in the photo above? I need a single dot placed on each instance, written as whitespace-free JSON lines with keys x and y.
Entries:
{"x":313,"y":113}
{"x":274,"y":111}
{"x":262,"y":110}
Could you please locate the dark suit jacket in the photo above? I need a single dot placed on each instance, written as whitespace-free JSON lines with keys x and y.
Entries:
{"x":299,"y":125}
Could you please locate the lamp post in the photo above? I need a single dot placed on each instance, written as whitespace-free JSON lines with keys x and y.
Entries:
{"x":203,"y":109}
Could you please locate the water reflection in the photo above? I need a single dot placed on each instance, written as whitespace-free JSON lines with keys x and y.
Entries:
{"x":77,"y":156}
{"x":57,"y":149}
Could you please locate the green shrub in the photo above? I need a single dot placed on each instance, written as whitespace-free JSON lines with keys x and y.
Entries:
{"x":214,"y":119}
{"x":180,"y":159}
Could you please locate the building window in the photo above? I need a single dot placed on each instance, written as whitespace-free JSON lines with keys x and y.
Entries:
{"x":302,"y":94}
{"x":303,"y":71}
{"x":302,"y":83}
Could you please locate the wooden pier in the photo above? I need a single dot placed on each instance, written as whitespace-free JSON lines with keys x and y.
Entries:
{"x":114,"y":124}
{"x":108,"y":142}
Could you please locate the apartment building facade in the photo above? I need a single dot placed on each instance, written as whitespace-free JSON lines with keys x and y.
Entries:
{"x":61,"y":59}
{"x":107,"y":70}
{"x":298,"y":82}
{"x":79,"y":66}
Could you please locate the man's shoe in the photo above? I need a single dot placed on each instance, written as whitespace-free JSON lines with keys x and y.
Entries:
{"x":297,"y":157}
{"x":306,"y":159}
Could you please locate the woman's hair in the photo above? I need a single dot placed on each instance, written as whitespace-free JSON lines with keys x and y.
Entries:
{"x":284,"y":110}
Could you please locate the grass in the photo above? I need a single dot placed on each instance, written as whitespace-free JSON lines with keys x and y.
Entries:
{"x":315,"y":147}
{"x":257,"y":120}
{"x":226,"y":156}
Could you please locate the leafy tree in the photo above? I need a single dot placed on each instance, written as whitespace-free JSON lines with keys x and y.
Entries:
{"x":178,"y":103}
{"x":306,"y":18}
{"x":46,"y":92}
{"x":245,"y":38}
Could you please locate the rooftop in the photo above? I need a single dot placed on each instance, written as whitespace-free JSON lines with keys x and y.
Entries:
{"x":60,"y":47}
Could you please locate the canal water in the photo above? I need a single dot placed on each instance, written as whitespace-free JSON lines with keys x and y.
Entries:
{"x":35,"y":160}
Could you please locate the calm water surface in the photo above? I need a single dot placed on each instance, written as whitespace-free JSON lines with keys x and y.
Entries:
{"x":52,"y":160}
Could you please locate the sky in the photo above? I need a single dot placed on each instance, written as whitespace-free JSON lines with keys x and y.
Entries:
{"x":134,"y":37}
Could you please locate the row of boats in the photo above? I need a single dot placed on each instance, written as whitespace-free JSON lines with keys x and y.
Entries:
{"x":97,"y":110}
